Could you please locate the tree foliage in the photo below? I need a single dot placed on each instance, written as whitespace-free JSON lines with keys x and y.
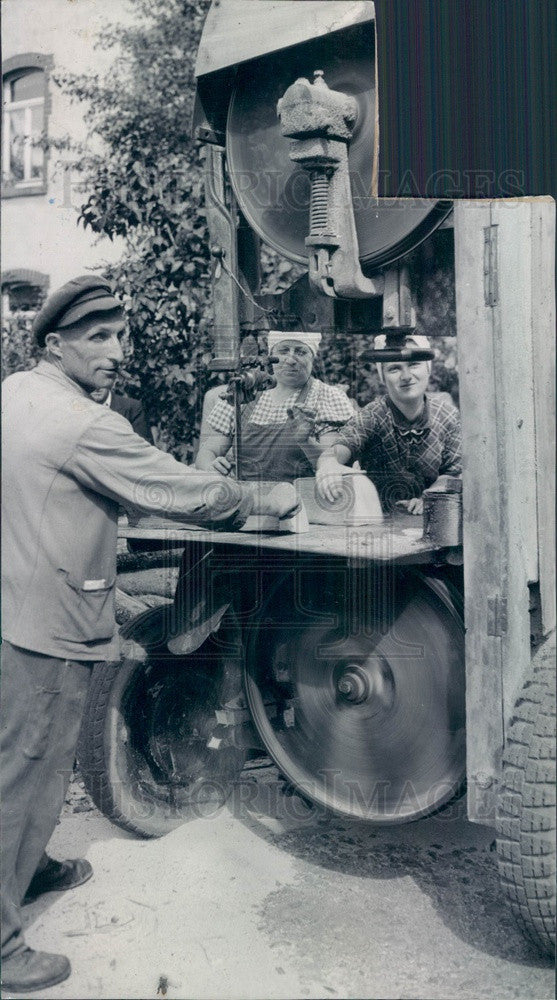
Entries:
{"x":19,"y":349}
{"x":141,"y":176}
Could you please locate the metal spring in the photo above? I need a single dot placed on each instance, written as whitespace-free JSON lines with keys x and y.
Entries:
{"x":319,"y":205}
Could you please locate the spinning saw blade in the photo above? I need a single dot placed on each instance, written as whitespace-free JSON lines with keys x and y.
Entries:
{"x":366,"y":721}
{"x":274,"y":193}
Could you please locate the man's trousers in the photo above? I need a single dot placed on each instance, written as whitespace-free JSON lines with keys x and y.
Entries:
{"x":42,"y":705}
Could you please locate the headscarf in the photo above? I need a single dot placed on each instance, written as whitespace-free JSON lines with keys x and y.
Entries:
{"x":380,"y":343}
{"x":310,"y":338}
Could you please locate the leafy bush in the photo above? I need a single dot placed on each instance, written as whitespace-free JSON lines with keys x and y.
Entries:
{"x":146,"y":186}
{"x":19,"y":350}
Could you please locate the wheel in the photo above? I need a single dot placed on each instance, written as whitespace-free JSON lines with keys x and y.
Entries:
{"x":143,"y":746}
{"x":526,"y":807}
{"x":357,"y":690}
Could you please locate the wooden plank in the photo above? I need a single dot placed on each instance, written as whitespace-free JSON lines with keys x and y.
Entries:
{"x":505,"y":315}
{"x":514,"y":386}
{"x":243,"y":29}
{"x":543,"y":341}
{"x":515,"y":377}
{"x":398,"y":540}
{"x":483,"y":511}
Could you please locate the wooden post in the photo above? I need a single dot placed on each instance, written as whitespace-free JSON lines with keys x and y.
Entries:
{"x":222,"y":229}
{"x":398,"y":306}
{"x":543,"y":341}
{"x":503,"y":361}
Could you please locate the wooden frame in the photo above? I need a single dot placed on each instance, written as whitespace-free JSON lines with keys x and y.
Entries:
{"x":505,"y":303}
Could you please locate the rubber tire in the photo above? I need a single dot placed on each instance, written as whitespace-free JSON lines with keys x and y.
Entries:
{"x":105,"y":764}
{"x":93,"y":755}
{"x":526,"y":806}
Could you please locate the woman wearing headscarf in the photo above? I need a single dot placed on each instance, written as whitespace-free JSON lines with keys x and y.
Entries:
{"x":285,"y":429}
{"x":404,"y":440}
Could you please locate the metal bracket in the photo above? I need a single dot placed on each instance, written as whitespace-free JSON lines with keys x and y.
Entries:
{"x":497,"y":619}
{"x":491,"y":277}
{"x":398,"y":306}
{"x":232,"y":716}
{"x":320,"y":122}
{"x":235,"y":727}
{"x":204,"y":133}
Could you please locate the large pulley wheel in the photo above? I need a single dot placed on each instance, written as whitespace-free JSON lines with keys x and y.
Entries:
{"x":363,"y":712}
{"x":274,"y":193}
{"x":143,"y":749}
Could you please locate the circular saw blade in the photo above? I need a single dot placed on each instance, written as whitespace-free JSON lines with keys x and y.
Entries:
{"x":274,"y":193}
{"x":389,"y":751}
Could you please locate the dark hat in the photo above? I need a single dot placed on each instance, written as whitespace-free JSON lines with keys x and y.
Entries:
{"x":70,"y":303}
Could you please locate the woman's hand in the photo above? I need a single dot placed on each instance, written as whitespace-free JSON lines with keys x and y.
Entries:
{"x":328,"y":479}
{"x":301,"y":423}
{"x":413,"y":506}
{"x":211,"y":454}
{"x":222,"y":465}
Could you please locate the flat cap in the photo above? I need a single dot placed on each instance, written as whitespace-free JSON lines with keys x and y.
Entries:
{"x":70,"y":303}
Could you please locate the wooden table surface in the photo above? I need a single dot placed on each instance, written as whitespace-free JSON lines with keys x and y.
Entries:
{"x":398,"y":539}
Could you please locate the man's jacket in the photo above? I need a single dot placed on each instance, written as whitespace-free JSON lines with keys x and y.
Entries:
{"x":132,"y":410}
{"x":67,"y":464}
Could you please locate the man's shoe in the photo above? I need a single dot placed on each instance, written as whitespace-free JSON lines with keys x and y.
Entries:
{"x":30,"y":970}
{"x":57,"y":876}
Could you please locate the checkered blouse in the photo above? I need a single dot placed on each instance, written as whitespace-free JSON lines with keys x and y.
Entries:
{"x":331,"y":405}
{"x":403,"y":457}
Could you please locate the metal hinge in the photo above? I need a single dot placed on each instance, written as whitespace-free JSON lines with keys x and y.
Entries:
{"x":491,"y":278}
{"x":496,"y":615}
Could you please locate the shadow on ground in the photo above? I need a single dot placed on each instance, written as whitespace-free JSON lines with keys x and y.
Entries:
{"x":451,"y":860}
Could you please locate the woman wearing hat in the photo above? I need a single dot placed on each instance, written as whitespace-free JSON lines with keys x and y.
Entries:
{"x":280,"y":427}
{"x":404,"y":440}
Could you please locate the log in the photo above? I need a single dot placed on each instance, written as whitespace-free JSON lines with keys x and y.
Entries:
{"x":161,"y":580}
{"x":129,"y":607}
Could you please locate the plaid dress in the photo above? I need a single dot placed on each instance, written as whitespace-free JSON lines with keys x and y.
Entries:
{"x":331,"y":404}
{"x":403,"y":457}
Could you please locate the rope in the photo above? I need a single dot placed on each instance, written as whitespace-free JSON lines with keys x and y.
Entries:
{"x":225,"y":267}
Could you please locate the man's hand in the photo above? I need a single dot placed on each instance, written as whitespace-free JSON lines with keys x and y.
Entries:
{"x":301,"y":423}
{"x":222,"y":465}
{"x":413,"y":506}
{"x":328,"y":479}
{"x":281,"y":501}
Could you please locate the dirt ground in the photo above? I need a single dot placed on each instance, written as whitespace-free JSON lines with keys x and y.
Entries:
{"x":270,"y":898}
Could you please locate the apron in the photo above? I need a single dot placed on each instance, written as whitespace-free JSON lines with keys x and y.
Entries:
{"x":269,"y":452}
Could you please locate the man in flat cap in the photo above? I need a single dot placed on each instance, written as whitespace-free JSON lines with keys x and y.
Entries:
{"x":67,"y":465}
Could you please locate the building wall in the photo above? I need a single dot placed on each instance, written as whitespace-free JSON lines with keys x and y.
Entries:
{"x":40,"y":231}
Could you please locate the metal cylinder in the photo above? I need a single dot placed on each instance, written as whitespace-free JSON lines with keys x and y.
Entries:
{"x":442,"y":518}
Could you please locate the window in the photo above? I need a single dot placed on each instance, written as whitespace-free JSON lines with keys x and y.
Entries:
{"x":24,"y":125}
{"x":23,"y":291}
